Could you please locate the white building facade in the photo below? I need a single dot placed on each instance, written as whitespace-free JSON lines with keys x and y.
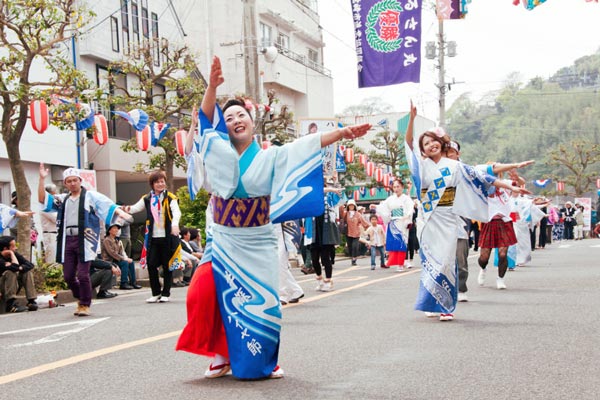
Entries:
{"x":209,"y":27}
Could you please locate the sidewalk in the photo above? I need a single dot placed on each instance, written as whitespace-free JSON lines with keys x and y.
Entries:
{"x":65,"y":296}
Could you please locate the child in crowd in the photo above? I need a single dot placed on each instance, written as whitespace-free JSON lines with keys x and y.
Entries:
{"x":376,"y":240}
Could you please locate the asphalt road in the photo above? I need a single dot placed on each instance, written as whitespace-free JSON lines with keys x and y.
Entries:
{"x":539,"y":339}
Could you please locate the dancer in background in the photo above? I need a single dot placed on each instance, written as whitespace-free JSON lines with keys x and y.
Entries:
{"x":396,"y":211}
{"x":447,"y":189}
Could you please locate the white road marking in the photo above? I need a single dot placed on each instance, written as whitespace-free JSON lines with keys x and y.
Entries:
{"x":55,"y":337}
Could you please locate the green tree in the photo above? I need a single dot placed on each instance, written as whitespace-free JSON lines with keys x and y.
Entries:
{"x":389,"y":152}
{"x":193,"y":213}
{"x":368,"y":106}
{"x":30,"y":31}
{"x":578,"y":164}
{"x":183,"y":88}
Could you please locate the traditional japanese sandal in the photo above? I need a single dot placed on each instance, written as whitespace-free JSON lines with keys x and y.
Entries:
{"x":217,"y":371}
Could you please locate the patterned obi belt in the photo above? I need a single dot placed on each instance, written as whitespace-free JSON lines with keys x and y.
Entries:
{"x":241,"y":213}
{"x":398,"y":212}
{"x":447,"y":199}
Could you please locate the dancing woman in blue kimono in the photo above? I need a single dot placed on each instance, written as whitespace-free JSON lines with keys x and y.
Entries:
{"x":447,"y":189}
{"x":233,"y":306}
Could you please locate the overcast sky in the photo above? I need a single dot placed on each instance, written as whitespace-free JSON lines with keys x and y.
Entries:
{"x":495,"y":39}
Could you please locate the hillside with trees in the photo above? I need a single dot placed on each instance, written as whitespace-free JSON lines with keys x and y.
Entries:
{"x":554,"y":121}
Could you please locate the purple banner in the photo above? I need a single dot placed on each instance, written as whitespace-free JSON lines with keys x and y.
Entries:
{"x":388,"y":41}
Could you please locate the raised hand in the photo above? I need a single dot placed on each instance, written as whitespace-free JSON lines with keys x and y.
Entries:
{"x":413,"y":110}
{"x":43,"y":171}
{"x":524,"y":163}
{"x":195,"y":116}
{"x":355,"y":131}
{"x":216,"y":73}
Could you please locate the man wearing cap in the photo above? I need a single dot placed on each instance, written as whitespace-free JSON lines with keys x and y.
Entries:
{"x":78,"y":223}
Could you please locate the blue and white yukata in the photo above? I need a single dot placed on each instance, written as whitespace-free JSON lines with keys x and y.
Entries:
{"x":278,"y":183}
{"x":525,"y":216}
{"x":8,"y":217}
{"x":446,"y":189}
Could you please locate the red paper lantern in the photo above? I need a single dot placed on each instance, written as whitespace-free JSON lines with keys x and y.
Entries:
{"x":370,"y":168}
{"x":378,"y":174}
{"x":180,"y":137}
{"x":363,"y":159}
{"x":100,"y":129}
{"x":349,"y":155}
{"x":560,"y":186}
{"x":386,"y":180}
{"x":356,"y":195}
{"x":143,"y":138}
{"x":373,"y":191}
{"x":38,"y":112}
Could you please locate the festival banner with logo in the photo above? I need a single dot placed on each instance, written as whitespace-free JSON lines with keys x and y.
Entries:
{"x":388,"y":41}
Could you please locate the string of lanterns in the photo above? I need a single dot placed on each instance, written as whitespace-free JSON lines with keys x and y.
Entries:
{"x":386,"y":179}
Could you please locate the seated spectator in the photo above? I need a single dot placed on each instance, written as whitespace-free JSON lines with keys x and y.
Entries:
{"x":112,"y":251}
{"x":196,"y":243}
{"x":101,"y":274}
{"x":183,"y":278}
{"x":15,"y":272}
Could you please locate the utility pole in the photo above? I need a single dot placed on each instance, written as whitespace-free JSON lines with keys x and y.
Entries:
{"x":442,"y":71}
{"x":440,"y":49}
{"x":251,"y":49}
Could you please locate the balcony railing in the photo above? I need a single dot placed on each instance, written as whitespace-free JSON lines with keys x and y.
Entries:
{"x":302,"y":60}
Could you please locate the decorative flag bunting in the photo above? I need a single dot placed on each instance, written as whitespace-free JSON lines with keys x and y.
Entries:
{"x":143,"y":138}
{"x":38,"y":112}
{"x":373,"y":191}
{"x":560,"y":186}
{"x":100,"y":129}
{"x":541,"y":183}
{"x":529,"y":4}
{"x":88,"y":121}
{"x":448,"y":9}
{"x":136,"y":118}
{"x":180,"y":136}
{"x":388,"y":41}
{"x":158,"y":130}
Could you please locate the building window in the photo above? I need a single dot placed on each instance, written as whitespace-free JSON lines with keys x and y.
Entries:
{"x":125,"y":42}
{"x":155,"y":40}
{"x":158,"y":95}
{"x":283,"y":41}
{"x":135,"y":21}
{"x":266,"y":35}
{"x":114,"y":28}
{"x":145,"y":22}
{"x":313,"y":56}
{"x":125,"y":26}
